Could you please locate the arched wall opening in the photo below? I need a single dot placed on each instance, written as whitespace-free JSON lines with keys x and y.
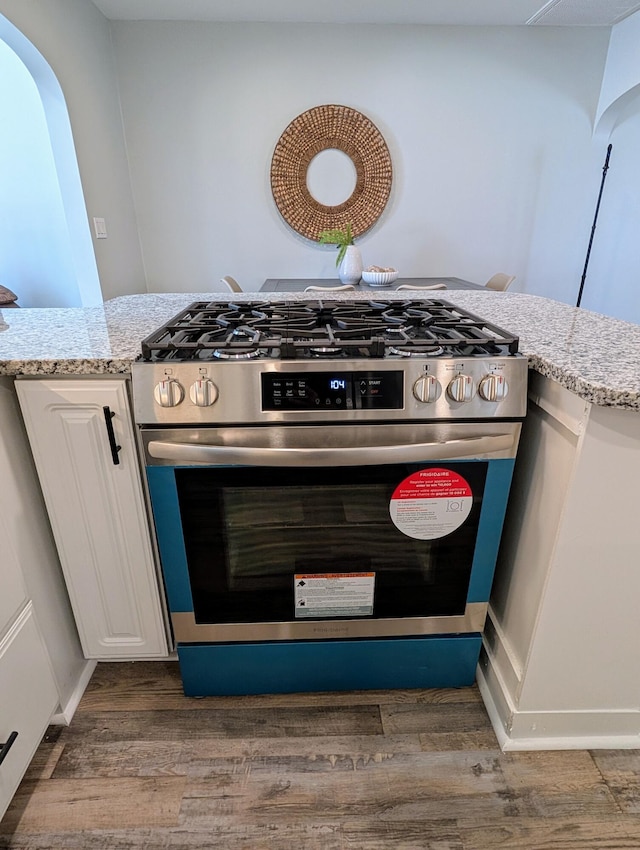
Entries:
{"x":46,"y":251}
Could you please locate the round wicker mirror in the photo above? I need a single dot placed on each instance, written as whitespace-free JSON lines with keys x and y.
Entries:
{"x":324,"y":128}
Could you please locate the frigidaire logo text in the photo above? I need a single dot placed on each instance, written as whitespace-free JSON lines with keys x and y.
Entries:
{"x":330,"y":631}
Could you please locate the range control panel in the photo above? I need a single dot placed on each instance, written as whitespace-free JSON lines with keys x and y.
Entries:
{"x":333,"y":391}
{"x":256,"y":391}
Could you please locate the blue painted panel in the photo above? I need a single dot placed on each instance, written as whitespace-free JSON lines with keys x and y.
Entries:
{"x":304,"y":666}
{"x":166,"y":514}
{"x":494,"y":505}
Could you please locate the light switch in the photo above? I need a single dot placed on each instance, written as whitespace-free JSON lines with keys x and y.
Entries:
{"x":100,"y":228}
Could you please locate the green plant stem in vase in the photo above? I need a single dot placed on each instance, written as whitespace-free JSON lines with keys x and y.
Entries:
{"x":341,"y":238}
{"x":348,"y":261}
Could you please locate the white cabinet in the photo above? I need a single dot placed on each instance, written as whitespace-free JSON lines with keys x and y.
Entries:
{"x":97,"y":510}
{"x":562,"y":644}
{"x":13,"y":596}
{"x":42,"y":669}
{"x":28,"y":692}
{"x":28,"y":532}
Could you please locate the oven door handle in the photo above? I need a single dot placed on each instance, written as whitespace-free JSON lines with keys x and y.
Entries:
{"x":187,"y":453}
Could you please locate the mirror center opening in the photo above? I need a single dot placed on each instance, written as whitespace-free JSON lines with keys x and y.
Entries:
{"x":331,"y":177}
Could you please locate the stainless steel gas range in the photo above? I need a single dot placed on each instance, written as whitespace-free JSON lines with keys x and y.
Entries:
{"x":328,"y":481}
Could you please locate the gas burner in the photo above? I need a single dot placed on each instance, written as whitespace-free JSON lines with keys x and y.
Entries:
{"x":238,"y":354}
{"x":416,"y":350}
{"x":414,"y":341}
{"x":326,"y":351}
{"x":243,"y":332}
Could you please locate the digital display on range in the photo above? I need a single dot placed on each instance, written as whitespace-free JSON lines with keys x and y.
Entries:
{"x":332,"y":391}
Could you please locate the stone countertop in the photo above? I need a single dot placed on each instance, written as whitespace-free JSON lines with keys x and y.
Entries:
{"x":594,"y":356}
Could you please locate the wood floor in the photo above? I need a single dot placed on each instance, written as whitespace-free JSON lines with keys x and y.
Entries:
{"x":141,"y":766}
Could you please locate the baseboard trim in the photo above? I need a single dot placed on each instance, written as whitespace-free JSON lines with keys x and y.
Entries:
{"x":65,"y":715}
{"x":503,"y":657}
{"x":496,"y":699}
{"x":552,"y":730}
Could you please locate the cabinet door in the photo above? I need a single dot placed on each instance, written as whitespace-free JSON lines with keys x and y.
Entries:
{"x":28,"y":698}
{"x":97,"y":512}
{"x":13,"y":595}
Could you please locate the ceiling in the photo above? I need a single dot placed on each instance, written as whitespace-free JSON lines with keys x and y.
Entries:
{"x":430,"y":12}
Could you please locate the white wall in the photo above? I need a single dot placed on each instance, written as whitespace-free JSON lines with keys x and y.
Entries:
{"x":622,"y":71}
{"x":35,"y":257}
{"x":75,"y":40}
{"x":612,"y":285}
{"x":489,"y":131}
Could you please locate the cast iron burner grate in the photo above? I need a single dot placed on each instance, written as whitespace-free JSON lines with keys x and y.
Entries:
{"x":290,"y":330}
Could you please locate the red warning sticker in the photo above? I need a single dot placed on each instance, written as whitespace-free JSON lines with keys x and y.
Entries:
{"x":431,"y":503}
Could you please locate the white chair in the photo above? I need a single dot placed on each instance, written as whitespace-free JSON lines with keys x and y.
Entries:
{"x":416,"y":286}
{"x":344,"y":288}
{"x":499,"y":282}
{"x":231,"y":283}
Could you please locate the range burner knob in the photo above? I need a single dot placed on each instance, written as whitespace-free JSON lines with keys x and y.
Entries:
{"x":493,"y":387}
{"x":203,"y":392}
{"x":426,"y":389}
{"x":168,"y":393}
{"x":461,"y":388}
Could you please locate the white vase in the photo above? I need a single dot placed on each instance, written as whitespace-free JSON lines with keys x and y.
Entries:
{"x":350,"y":269}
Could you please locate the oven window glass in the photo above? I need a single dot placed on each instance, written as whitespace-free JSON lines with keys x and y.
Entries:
{"x":249,"y":531}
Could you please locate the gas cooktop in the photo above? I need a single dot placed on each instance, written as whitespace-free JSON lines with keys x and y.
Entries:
{"x":234,"y":362}
{"x":292,"y":330}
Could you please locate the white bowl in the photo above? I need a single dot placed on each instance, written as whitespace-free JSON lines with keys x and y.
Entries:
{"x":379,"y":278}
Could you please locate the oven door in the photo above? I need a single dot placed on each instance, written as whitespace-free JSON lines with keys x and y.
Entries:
{"x":280,"y":533}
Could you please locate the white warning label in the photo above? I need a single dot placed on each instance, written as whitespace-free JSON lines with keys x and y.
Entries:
{"x":431,"y":503}
{"x":334,"y":594}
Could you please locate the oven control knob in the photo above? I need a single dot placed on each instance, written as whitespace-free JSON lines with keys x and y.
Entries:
{"x":461,"y":388}
{"x":493,"y":387}
{"x":426,"y":389}
{"x":168,"y":393}
{"x":203,"y":392}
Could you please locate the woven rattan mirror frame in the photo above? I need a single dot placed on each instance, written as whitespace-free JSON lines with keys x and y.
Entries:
{"x":324,"y":128}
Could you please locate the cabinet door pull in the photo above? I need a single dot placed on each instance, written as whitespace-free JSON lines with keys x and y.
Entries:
{"x":4,"y":748}
{"x":108,"y":416}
